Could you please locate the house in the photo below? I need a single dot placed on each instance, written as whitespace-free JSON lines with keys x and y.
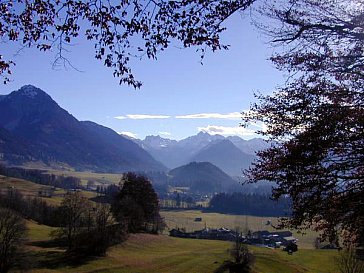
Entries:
{"x":223,"y":234}
{"x":272,"y":239}
{"x":177,"y":233}
{"x":260,"y":234}
{"x":264,"y":237}
{"x":283,"y":233}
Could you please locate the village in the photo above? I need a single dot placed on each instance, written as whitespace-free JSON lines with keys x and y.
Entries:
{"x":264,"y":238}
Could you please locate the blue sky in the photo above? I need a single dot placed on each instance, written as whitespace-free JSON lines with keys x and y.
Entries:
{"x":179,"y":96}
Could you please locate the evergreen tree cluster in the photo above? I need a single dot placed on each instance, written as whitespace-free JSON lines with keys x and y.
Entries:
{"x":249,"y":204}
{"x":40,"y":177}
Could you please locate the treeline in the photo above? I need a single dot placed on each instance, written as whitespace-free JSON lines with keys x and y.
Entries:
{"x":83,"y":227}
{"x":109,"y":191}
{"x":87,"y":227}
{"x":40,"y":177}
{"x":33,"y":208}
{"x":249,"y":204}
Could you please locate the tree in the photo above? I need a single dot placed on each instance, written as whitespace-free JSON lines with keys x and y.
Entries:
{"x":88,"y":229}
{"x":74,"y":213}
{"x":316,"y":120}
{"x":100,"y":234}
{"x":348,"y":262}
{"x":137,"y":204}
{"x":12,"y":236}
{"x":118,"y":29}
{"x":243,"y":259}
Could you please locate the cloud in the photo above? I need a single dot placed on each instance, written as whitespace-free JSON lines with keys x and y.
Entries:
{"x":120,"y":117}
{"x":231,"y":116}
{"x":227,"y":131}
{"x":129,"y":134}
{"x":165,"y":133}
{"x":259,"y":126}
{"x":141,"y":116}
{"x":148,"y":116}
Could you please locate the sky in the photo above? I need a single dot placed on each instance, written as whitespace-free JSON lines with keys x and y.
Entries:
{"x":179,"y":97}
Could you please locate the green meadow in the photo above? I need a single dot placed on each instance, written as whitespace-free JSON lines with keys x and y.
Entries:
{"x":32,"y":189}
{"x":186,"y":219}
{"x":161,"y":253}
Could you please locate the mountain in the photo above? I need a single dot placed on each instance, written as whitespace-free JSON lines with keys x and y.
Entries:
{"x":140,"y":159}
{"x":158,"y":142}
{"x":52,"y":135}
{"x":225,"y":155}
{"x":199,"y":141}
{"x":201,"y":177}
{"x":250,"y":146}
{"x":13,"y":148}
{"x":164,"y":150}
{"x":174,"y":153}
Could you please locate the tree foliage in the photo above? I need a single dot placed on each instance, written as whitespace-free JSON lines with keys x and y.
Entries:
{"x":41,"y":177}
{"x":243,"y":258}
{"x":137,"y":204}
{"x":119,"y":30}
{"x":28,"y":207}
{"x":12,"y":236}
{"x":87,"y":228}
{"x":249,"y":204}
{"x":75,"y":214}
{"x":348,"y":262}
{"x":317,"y":118}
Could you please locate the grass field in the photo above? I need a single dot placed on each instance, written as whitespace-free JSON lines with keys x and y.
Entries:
{"x":99,"y":178}
{"x":28,"y":188}
{"x":153,"y":253}
{"x":186,"y":219}
{"x":182,"y":219}
{"x":305,"y":260}
{"x":38,"y":232}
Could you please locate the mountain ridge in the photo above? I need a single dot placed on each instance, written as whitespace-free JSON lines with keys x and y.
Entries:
{"x":174,"y":153}
{"x":54,"y":135}
{"x":225,"y":155}
{"x":202,"y":177}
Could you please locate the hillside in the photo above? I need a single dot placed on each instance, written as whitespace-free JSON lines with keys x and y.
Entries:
{"x":14,"y":148}
{"x":54,"y":136}
{"x":201,"y":177}
{"x":174,"y":153}
{"x":250,"y":146}
{"x":225,"y":155}
{"x":161,"y":253}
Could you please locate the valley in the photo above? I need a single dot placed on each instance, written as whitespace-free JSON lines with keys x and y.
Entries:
{"x":48,"y":155}
{"x":162,"y":253}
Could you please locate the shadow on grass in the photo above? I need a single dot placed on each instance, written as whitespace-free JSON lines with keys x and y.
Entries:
{"x":49,"y":244}
{"x":231,"y":267}
{"x":52,"y":255}
{"x":223,"y":268}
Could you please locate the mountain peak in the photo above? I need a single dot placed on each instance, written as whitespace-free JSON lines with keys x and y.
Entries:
{"x":225,"y":155}
{"x":202,"y":177}
{"x":30,"y":91}
{"x":158,"y":142}
{"x":203,"y":133}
